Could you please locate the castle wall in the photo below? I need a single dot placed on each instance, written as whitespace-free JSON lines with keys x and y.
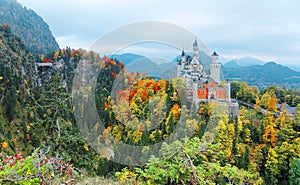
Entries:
{"x":202,"y":93}
{"x":212,"y":89}
{"x":233,"y":109}
{"x":221,"y":93}
{"x":213,"y":84}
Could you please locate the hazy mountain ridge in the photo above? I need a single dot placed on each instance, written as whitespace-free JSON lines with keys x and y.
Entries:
{"x":265,"y":75}
{"x":140,"y":64}
{"x":127,"y":58}
{"x":294,"y":67}
{"x":28,"y":26}
{"x":244,"y":62}
{"x":249,"y":69}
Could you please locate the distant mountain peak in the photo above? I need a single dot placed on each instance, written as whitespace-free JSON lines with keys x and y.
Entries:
{"x":246,"y":61}
{"x":127,"y":58}
{"x":271,"y":63}
{"x":249,"y":57}
{"x":232,"y":64}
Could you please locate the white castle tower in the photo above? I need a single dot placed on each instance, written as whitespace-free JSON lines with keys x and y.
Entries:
{"x":215,"y":68}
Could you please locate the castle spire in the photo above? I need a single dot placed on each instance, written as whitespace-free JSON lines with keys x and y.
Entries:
{"x":196,"y":49}
{"x":195,"y":43}
{"x":182,"y":53}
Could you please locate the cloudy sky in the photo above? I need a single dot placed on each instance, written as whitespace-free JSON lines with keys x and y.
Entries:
{"x":266,"y":29}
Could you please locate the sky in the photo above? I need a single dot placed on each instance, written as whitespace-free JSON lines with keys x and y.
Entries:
{"x":266,"y":29}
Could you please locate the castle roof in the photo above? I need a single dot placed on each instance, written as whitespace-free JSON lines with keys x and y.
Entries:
{"x":215,"y":54}
{"x":189,"y":58}
{"x":183,"y":53}
{"x":210,"y":79}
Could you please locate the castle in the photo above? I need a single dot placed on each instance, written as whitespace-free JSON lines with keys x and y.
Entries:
{"x":203,"y":87}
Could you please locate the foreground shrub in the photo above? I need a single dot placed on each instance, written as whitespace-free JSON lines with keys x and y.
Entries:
{"x":33,"y":170}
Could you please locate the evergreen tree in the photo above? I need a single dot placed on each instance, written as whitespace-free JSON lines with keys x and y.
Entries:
{"x":247,"y":159}
{"x":164,"y":128}
{"x":171,"y":123}
{"x":157,"y":136}
{"x":145,"y":140}
{"x":294,"y":172}
{"x":235,"y":139}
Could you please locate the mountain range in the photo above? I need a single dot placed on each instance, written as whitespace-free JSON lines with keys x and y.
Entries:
{"x":243,"y":62}
{"x":150,"y":66}
{"x":265,"y":75}
{"x":249,"y":69}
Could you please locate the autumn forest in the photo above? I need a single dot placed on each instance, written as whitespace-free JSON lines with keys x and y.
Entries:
{"x":41,"y":141}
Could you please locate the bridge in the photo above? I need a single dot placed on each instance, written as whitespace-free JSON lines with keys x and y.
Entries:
{"x":262,"y":110}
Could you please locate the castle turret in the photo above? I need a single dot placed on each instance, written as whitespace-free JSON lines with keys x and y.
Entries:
{"x":215,"y":58}
{"x":233,"y":105}
{"x":215,"y":68}
{"x":181,"y":64}
{"x":183,"y":57}
{"x":182,"y":53}
{"x":196,"y":49}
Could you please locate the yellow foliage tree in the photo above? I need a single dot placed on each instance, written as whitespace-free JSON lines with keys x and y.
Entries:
{"x":272,"y":106}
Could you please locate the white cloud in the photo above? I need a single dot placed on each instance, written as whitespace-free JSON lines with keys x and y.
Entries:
{"x":153,"y":50}
{"x":267,"y":29}
{"x":71,"y":41}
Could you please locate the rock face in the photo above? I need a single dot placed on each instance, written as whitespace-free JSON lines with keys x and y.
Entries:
{"x":28,"y":26}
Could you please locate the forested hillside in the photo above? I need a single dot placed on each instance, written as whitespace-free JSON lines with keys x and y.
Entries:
{"x":28,"y":26}
{"x":17,"y":82}
{"x":36,"y":115}
{"x":41,"y":142}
